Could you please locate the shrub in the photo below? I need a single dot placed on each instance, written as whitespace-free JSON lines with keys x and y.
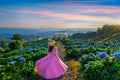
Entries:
{"x":16,"y":44}
{"x":106,"y":69}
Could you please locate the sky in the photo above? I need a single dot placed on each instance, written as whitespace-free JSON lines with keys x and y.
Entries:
{"x":59,"y":13}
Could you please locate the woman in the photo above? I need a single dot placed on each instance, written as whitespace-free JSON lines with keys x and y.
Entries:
{"x":51,"y":66}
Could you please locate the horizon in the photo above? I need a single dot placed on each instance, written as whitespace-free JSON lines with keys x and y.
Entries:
{"x":64,"y":14}
{"x":47,"y":29}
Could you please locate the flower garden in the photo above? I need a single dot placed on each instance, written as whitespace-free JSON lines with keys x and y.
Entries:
{"x":99,"y":60}
{"x":19,"y":64}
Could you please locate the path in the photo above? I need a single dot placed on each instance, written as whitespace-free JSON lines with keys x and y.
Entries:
{"x":68,"y":74}
{"x":61,"y":52}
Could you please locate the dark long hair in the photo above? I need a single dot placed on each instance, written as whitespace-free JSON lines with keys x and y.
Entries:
{"x":50,"y":48}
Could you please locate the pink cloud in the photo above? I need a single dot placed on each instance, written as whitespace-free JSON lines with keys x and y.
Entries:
{"x":57,"y":15}
{"x":102,"y":9}
{"x":95,"y":9}
{"x":68,"y":16}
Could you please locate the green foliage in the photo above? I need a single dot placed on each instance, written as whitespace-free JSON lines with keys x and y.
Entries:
{"x":100,"y":34}
{"x":33,"y":51}
{"x":17,"y":37}
{"x":105,"y":69}
{"x":16,"y":44}
{"x":99,"y":31}
{"x":93,"y":67}
{"x":73,"y":53}
{"x":1,"y":50}
{"x":115,"y":37}
{"x":4,"y":44}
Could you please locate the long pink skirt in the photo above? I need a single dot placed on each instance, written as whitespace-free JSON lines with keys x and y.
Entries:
{"x":50,"y":66}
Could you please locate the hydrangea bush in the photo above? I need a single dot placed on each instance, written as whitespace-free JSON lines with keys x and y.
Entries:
{"x":19,"y":64}
{"x":98,"y":60}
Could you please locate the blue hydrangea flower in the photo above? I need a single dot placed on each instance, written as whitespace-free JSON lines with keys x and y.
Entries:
{"x":87,"y":65}
{"x":102,"y":54}
{"x":81,"y":48}
{"x":21,"y":59}
{"x":118,"y":51}
{"x":90,"y":46}
{"x":97,"y":52}
{"x":12,"y":62}
{"x":83,"y":56}
{"x":116,"y":55}
{"x":113,"y":44}
{"x":0,"y":63}
{"x":21,"y":49}
{"x":91,"y":55}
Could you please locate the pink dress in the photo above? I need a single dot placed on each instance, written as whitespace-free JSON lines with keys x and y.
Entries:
{"x":51,"y":66}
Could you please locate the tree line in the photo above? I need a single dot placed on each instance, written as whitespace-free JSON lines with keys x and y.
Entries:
{"x":16,"y":43}
{"x":101,"y":33}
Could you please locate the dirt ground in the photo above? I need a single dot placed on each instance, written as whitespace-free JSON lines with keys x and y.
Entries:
{"x":68,"y":75}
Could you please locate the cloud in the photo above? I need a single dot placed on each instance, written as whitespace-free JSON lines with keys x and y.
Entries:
{"x":69,"y":16}
{"x":99,"y":9}
{"x":57,"y":15}
{"x":84,"y":8}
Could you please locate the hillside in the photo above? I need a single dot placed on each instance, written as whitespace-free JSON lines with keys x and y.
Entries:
{"x":108,"y":31}
{"x":114,"y":37}
{"x":103,"y":33}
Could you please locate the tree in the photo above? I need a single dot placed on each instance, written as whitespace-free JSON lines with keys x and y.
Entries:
{"x":17,"y":37}
{"x":4,"y":44}
{"x":107,"y":28}
{"x":99,"y":31}
{"x":16,"y":44}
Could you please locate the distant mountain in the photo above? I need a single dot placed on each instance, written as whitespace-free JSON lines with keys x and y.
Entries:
{"x":9,"y":32}
{"x":31,"y":34}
